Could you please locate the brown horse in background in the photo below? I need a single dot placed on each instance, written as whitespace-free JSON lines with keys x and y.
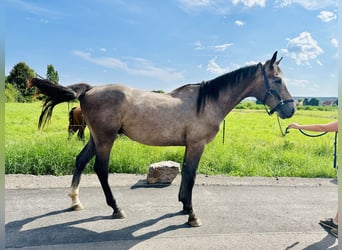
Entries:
{"x":76,"y":123}
{"x":189,"y":116}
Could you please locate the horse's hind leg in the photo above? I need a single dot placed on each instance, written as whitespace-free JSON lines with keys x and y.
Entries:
{"x":82,"y":160}
{"x":103,"y":149}
{"x":81,"y":134}
{"x":190,"y":164}
{"x":70,"y":132}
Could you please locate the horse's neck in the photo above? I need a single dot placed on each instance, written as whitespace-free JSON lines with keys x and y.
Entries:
{"x":233,"y":95}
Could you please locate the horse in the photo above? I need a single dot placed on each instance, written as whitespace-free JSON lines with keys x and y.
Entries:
{"x":188,"y":116}
{"x":76,"y":123}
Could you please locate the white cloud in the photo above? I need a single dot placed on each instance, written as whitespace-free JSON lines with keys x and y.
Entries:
{"x":222,"y":47}
{"x":327,"y":16}
{"x":103,"y":49}
{"x":198,"y":45}
{"x":35,"y":9}
{"x":217,"y":6}
{"x":248,"y":63}
{"x":134,"y":66}
{"x":250,"y":3}
{"x":216,"y":69}
{"x":297,"y":83}
{"x":304,"y":86}
{"x":108,"y":62}
{"x":239,"y":23}
{"x":196,"y":3}
{"x":308,"y":4}
{"x":302,"y":48}
{"x":334,"y":42}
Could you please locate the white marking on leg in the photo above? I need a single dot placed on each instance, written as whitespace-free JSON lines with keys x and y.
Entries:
{"x":75,"y":202}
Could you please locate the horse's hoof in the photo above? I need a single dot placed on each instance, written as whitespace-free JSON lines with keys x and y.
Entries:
{"x":194,"y":221}
{"x":119,"y":215}
{"x":77,"y":207}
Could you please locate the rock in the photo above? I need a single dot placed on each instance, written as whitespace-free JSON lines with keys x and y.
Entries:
{"x":162,"y":172}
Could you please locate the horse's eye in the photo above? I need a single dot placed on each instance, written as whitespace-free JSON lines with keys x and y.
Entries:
{"x":277,"y":81}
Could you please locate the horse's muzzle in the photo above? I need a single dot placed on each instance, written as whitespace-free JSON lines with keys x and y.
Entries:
{"x":286,"y":110}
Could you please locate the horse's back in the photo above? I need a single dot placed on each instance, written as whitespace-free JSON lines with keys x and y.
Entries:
{"x":133,"y":99}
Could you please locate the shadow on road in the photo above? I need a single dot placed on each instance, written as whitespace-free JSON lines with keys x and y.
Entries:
{"x":326,"y":243}
{"x":70,"y":233}
{"x":143,"y":184}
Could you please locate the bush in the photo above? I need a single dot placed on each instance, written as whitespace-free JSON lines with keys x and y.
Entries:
{"x":12,"y":94}
{"x":249,"y":105}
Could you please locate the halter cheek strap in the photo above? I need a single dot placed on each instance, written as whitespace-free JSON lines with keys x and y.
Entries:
{"x":272,"y":92}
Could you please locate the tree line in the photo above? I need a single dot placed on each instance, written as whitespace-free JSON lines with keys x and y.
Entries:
{"x":15,"y":82}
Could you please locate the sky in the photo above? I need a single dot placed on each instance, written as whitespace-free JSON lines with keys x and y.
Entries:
{"x":161,"y":45}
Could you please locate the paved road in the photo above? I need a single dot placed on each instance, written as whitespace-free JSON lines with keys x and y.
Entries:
{"x":236,"y":213}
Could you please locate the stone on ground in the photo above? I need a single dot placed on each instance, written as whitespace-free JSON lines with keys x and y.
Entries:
{"x":163,"y":172}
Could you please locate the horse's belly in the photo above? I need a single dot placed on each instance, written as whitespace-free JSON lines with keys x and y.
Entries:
{"x":156,"y":137}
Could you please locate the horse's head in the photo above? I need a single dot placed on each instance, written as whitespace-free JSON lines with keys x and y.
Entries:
{"x":274,"y":92}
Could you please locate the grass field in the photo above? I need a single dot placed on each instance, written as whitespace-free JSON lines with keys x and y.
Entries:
{"x":253,"y":146}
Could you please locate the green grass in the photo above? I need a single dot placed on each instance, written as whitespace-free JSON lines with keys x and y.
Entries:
{"x":253,"y":146}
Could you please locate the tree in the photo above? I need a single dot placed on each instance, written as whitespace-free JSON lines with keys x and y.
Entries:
{"x":52,"y":74}
{"x":12,"y":94}
{"x":18,"y":77}
{"x":314,"y":102}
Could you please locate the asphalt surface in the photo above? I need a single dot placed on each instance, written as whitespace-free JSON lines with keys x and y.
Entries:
{"x":236,"y":213}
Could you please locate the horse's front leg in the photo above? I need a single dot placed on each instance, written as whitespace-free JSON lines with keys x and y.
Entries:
{"x":191,"y":160}
{"x":82,"y":160}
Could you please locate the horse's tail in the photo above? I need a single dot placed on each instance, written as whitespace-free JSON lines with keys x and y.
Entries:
{"x":55,"y":94}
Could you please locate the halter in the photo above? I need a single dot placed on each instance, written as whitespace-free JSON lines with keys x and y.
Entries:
{"x":272,"y":92}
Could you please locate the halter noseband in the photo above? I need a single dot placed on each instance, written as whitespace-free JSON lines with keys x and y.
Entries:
{"x":272,"y":92}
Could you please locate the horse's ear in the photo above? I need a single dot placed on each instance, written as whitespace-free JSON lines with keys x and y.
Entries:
{"x":274,"y":58}
{"x":277,"y":62}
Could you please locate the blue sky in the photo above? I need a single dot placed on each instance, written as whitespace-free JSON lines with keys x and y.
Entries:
{"x":160,"y":45}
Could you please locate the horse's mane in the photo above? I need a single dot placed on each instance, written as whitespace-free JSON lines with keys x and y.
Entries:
{"x":211,"y":89}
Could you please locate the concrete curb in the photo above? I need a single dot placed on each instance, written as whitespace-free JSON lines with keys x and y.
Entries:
{"x":91,"y":180}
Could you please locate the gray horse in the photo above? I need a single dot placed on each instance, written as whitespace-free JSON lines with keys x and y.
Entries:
{"x":189,"y":116}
